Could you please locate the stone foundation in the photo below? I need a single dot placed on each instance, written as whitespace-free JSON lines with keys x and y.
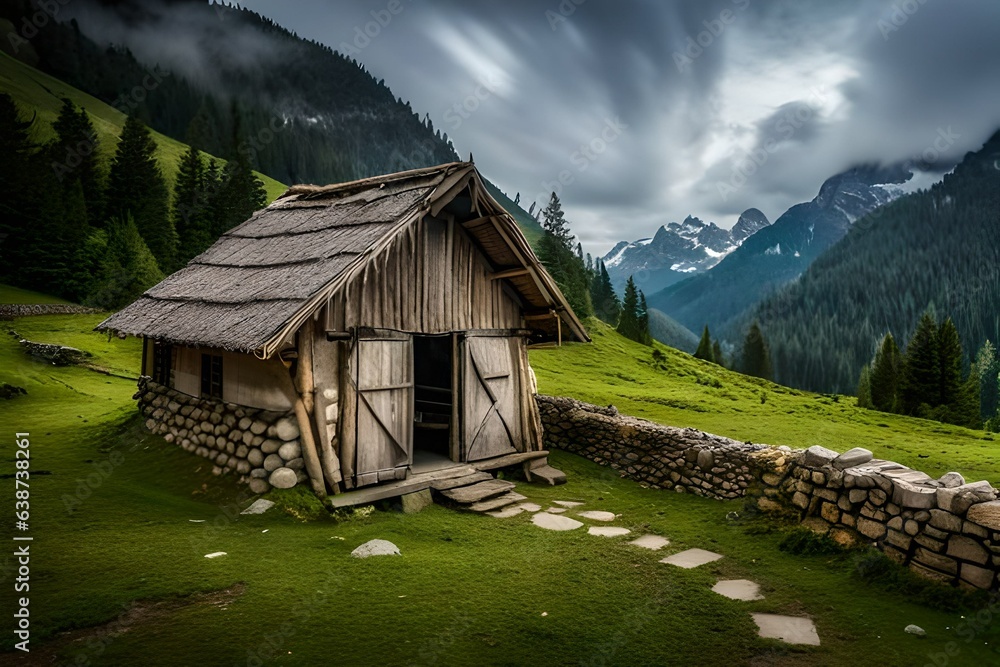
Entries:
{"x":943,"y":529}
{"x":260,"y":446}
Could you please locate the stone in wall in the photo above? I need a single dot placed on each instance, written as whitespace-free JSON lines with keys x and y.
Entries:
{"x":260,"y":446}
{"x":944,"y":529}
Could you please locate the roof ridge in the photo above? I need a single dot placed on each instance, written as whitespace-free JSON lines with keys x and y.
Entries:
{"x":313,"y":190}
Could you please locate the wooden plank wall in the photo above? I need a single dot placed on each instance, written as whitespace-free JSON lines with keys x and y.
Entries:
{"x":431,"y":279}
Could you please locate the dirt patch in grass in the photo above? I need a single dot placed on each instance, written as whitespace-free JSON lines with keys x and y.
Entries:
{"x":139,"y":613}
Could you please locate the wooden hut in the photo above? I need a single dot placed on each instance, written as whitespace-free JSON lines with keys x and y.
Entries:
{"x":361,"y":333}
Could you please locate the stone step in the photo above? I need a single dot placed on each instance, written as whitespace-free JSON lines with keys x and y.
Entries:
{"x":545,"y":473}
{"x":496,"y":503}
{"x":467,"y":495}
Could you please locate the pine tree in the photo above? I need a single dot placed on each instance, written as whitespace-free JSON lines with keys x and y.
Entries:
{"x":921,"y":382}
{"x":949,"y":364}
{"x":864,"y":392}
{"x":642,"y":320}
{"x":74,"y":156}
{"x":705,"y":350}
{"x":717,"y":354}
{"x":20,"y":193}
{"x":606,"y":304}
{"x":555,"y":251}
{"x":987,"y":370}
{"x":136,"y":188}
{"x":192,"y":217}
{"x":128,"y":268}
{"x":628,"y":322}
{"x":966,"y":410}
{"x":756,"y":354}
{"x":884,"y":375}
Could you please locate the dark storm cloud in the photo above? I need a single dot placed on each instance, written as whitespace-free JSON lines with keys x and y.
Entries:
{"x":637,"y":111}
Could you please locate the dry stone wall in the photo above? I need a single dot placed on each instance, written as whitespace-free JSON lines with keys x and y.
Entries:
{"x":9,"y":311}
{"x":944,"y":529}
{"x":262,"y":447}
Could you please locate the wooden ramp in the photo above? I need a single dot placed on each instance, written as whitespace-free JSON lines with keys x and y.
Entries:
{"x":466,"y":485}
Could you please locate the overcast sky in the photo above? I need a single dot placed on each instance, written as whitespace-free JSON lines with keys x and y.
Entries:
{"x":654,"y":110}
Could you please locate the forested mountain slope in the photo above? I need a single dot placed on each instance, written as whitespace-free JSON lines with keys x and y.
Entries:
{"x":938,"y":247}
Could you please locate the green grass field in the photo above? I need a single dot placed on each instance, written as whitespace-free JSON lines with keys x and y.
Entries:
{"x":683,"y":392}
{"x":119,"y":575}
{"x":38,"y":92}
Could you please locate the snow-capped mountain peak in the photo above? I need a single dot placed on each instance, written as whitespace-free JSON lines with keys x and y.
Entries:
{"x":678,"y":250}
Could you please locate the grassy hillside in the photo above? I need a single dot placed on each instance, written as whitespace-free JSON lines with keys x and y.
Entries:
{"x":122,"y":578}
{"x":10,"y":294}
{"x":35,"y":91}
{"x":688,"y":392}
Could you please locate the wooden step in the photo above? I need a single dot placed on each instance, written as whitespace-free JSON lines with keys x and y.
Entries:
{"x":467,"y":495}
{"x":496,"y":503}
{"x":546,"y":474}
{"x":465,"y":480}
{"x":508,"y":460}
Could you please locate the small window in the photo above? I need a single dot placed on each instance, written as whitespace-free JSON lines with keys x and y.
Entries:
{"x":211,"y":376}
{"x":163,"y":363}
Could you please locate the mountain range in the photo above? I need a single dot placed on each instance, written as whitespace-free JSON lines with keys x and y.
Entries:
{"x":678,"y":250}
{"x":778,"y":253}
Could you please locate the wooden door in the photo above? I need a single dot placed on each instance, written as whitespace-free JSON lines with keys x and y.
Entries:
{"x":491,"y":419}
{"x":382,"y":374}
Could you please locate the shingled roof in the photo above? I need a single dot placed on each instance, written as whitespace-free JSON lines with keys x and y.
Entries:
{"x":261,"y":280}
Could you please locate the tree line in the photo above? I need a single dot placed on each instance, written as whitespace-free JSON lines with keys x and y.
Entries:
{"x":102,"y":233}
{"x":937,"y":247}
{"x":928,"y":379}
{"x":309,"y":113}
{"x":585,"y":283}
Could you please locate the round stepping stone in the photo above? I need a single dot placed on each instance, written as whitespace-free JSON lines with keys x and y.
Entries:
{"x":738,"y":589}
{"x":556,"y":510}
{"x":653,"y":542}
{"x":376,"y":548}
{"x":789,"y":629}
{"x":506,"y":512}
{"x":608,"y":531}
{"x":566,"y":503}
{"x":554,"y":521}
{"x":597,"y":515}
{"x":530,"y":507}
{"x":691,"y":558}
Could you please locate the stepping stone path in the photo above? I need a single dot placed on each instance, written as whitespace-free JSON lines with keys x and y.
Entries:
{"x":789,"y":629}
{"x":376,"y":548}
{"x":738,"y":589}
{"x":608,"y":531}
{"x":554,"y":521}
{"x":514,"y":510}
{"x":652,"y":542}
{"x":691,"y":558}
{"x":506,"y":512}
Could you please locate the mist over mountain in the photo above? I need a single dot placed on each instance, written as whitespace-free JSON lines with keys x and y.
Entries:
{"x":203,"y":72}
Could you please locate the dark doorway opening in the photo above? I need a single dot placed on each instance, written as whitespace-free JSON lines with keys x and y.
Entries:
{"x":433,"y":399}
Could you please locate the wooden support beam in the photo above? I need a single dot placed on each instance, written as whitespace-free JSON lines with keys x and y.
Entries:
{"x":548,"y":315}
{"x":510,"y":273}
